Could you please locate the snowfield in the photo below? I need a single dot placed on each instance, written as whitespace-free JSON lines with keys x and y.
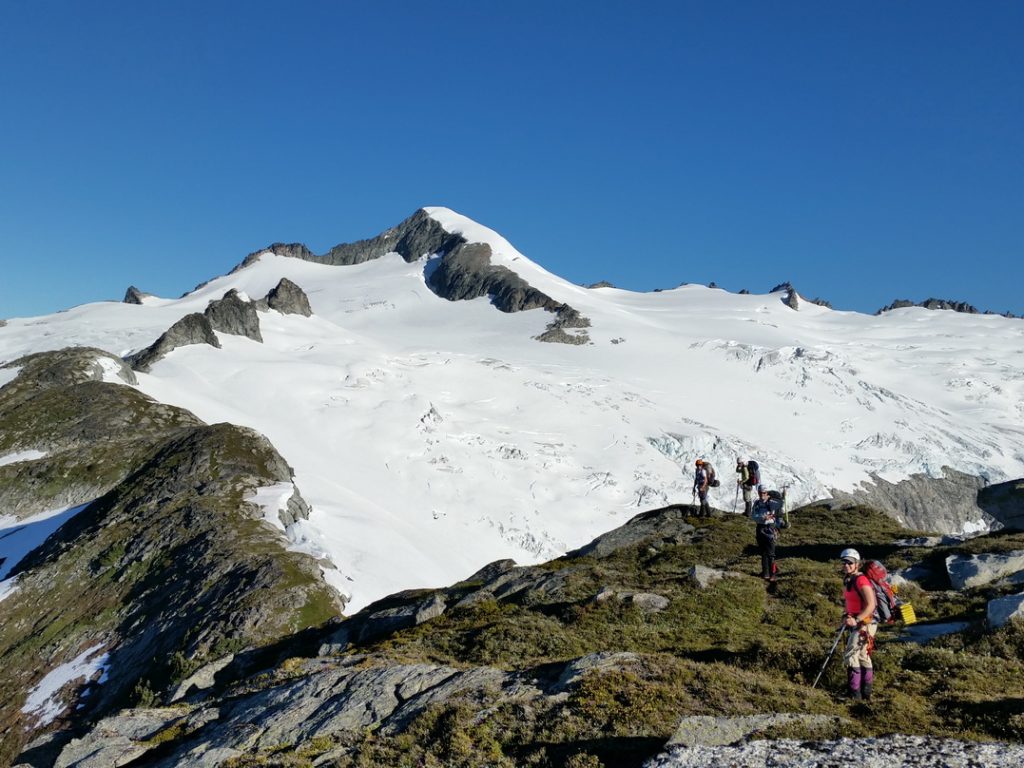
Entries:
{"x":432,"y":437}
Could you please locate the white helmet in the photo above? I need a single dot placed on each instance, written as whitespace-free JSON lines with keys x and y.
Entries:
{"x":850,"y":554}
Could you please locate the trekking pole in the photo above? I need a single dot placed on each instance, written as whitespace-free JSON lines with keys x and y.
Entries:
{"x":832,"y":650}
{"x":736,"y":500}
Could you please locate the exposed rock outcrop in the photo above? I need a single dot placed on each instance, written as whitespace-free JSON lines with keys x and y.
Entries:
{"x":419,"y":235}
{"x":885,"y":752}
{"x":705,"y":731}
{"x":233,"y":315}
{"x":289,"y":299}
{"x":191,"y":329}
{"x":954,"y":306}
{"x":1005,"y":503}
{"x":134,"y":296}
{"x":465,"y":270}
{"x":1004,"y":609}
{"x":948,"y":504}
{"x":668,"y":526}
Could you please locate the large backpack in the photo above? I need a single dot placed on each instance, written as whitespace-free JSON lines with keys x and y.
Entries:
{"x":712,"y":476}
{"x":754,"y":474}
{"x":887,"y":605}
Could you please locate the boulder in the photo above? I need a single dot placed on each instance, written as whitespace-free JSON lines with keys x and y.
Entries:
{"x":708,"y":731}
{"x":202,"y":678}
{"x":599,"y":663}
{"x":382,"y":623}
{"x":1005,"y":502}
{"x":704,"y":576}
{"x":1003,"y":609}
{"x":648,"y":602}
{"x":967,"y":571}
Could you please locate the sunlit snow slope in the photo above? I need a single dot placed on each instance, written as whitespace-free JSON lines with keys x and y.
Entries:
{"x":431,"y":437}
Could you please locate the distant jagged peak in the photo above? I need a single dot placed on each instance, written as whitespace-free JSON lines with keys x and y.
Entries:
{"x":956,"y":306}
{"x":417,"y":236}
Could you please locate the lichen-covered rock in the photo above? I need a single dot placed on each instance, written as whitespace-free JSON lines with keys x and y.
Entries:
{"x":667,"y":524}
{"x":119,"y":740}
{"x":388,"y":621}
{"x":201,"y":679}
{"x":704,"y":577}
{"x":885,"y":752}
{"x":707,"y":731}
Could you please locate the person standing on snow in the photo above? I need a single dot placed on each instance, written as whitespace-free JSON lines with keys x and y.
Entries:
{"x":701,"y":483}
{"x":767,"y":513}
{"x":859,"y":619}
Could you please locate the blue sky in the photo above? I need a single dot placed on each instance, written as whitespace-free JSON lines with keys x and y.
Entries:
{"x":864,"y":151}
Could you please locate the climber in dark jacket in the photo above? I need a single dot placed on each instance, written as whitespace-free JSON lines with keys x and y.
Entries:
{"x":767,"y":513}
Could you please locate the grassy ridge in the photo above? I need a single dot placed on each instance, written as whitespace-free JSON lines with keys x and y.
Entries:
{"x":729,"y":649}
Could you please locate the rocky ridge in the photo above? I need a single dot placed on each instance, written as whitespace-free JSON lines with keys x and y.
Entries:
{"x":231,"y":314}
{"x":464,"y":271}
{"x":954,"y":306}
{"x":164,"y":565}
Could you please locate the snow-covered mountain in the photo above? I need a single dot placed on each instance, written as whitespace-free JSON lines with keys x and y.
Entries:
{"x":432,"y":436}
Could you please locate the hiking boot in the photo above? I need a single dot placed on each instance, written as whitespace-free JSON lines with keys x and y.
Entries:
{"x":866,"y":691}
{"x":856,"y":695}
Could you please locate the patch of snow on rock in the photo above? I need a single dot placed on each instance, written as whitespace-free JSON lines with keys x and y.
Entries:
{"x":7,"y":588}
{"x":273,"y":499}
{"x":14,"y":458}
{"x":43,"y":700}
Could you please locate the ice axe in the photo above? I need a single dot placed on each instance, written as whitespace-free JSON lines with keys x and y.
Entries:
{"x":832,"y":650}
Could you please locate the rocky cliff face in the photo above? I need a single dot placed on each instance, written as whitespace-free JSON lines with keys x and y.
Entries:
{"x":165,"y":565}
{"x":946,"y":504}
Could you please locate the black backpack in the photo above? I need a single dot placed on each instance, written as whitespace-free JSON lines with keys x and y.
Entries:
{"x":754,"y":472}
